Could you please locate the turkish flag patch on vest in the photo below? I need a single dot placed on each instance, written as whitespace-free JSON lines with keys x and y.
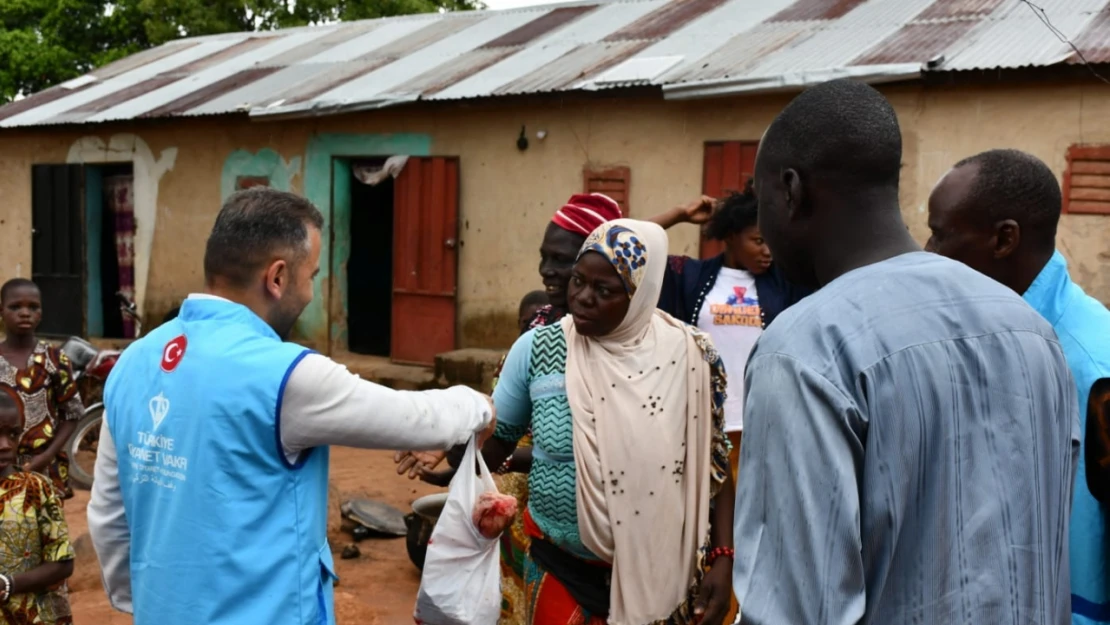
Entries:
{"x":173,"y":352}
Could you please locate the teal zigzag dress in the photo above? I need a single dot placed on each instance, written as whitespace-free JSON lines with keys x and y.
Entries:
{"x":531,"y":394}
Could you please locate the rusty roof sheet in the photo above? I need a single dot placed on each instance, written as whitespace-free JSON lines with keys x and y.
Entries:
{"x":689,"y":48}
{"x":1094,"y":41}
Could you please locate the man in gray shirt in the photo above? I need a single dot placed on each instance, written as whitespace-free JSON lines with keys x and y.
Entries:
{"x":912,"y":427}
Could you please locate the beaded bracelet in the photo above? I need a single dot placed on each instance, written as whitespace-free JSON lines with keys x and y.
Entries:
{"x":7,"y":594}
{"x":718,"y":553}
{"x":505,"y":466}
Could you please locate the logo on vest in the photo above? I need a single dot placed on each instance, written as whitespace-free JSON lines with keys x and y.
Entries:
{"x":154,"y":459}
{"x":159,"y":408}
{"x":172,"y":353}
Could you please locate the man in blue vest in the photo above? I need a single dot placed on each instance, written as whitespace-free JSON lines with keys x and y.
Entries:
{"x":997,"y":212}
{"x":210,"y":499}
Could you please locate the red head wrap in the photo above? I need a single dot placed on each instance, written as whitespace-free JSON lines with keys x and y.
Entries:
{"x":582,"y":214}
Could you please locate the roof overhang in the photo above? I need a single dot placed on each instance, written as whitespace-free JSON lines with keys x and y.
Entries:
{"x":790,"y":81}
{"x":321,"y":108}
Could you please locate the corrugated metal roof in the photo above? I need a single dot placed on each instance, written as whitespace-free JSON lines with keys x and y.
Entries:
{"x":1014,"y":36}
{"x":690,"y":48}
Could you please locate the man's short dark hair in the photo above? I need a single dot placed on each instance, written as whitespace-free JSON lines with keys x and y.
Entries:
{"x":534,"y":298}
{"x":1011,"y":184}
{"x":13,"y":284}
{"x":737,"y":212}
{"x":841,"y":132}
{"x":254,"y":227}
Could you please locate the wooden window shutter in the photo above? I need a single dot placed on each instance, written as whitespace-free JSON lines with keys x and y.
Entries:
{"x":616,"y":182}
{"x":1087,"y":180}
{"x":246,"y":182}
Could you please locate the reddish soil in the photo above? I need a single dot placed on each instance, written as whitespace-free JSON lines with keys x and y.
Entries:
{"x":378,"y":588}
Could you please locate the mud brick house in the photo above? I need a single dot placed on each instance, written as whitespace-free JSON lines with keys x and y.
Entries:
{"x":502,"y":115}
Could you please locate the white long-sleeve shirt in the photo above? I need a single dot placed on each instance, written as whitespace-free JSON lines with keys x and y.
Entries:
{"x":323,"y":404}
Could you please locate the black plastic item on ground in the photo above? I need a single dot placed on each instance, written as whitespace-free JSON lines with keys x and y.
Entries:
{"x":381,"y":520}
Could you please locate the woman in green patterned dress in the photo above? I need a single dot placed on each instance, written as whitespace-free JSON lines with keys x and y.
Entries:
{"x":630,"y":498}
{"x":562,"y":240}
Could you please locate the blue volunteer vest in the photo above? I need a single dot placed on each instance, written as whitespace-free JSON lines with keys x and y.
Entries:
{"x":1083,"y":325}
{"x":224,"y":530}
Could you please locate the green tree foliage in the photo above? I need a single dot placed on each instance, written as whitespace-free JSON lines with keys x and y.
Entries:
{"x":45,"y":42}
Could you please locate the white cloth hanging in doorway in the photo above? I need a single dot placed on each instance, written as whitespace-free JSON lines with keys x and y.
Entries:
{"x":373,"y":175}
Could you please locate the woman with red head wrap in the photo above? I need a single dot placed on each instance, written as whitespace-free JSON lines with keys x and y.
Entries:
{"x":566,"y":233}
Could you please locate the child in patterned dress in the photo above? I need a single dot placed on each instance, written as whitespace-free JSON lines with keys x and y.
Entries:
{"x":42,"y":375}
{"x":36,"y":557}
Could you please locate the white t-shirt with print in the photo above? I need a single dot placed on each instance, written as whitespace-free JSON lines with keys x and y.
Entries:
{"x":731,"y":316}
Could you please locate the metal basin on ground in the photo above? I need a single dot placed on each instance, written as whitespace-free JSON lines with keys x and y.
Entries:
{"x":420,"y":523}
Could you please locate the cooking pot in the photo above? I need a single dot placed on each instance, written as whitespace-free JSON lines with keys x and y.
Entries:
{"x":420,"y":523}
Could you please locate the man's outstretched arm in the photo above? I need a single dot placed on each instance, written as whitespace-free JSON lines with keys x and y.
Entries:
{"x":325,"y":404}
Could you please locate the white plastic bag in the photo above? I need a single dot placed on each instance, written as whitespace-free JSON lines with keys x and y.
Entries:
{"x":461,"y":584}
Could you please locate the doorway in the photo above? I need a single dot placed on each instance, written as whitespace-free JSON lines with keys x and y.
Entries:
{"x":370,"y":265}
{"x":82,"y":220}
{"x":394,"y":253}
{"x":110,"y":230}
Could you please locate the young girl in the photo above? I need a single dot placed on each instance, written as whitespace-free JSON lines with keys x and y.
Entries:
{"x":35,"y":555}
{"x":732,"y":297}
{"x":44,"y":380}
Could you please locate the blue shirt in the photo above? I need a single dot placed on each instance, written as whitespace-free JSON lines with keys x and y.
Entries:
{"x":911,"y":434}
{"x":1083,"y":325}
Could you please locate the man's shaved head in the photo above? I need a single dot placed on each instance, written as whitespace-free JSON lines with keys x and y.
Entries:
{"x":997,"y":212}
{"x":1010,"y":184}
{"x":843,"y":132}
{"x":835,"y":141}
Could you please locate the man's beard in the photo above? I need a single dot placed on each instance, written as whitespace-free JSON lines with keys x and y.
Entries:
{"x":284,"y":318}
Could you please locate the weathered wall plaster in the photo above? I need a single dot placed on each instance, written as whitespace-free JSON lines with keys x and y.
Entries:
{"x":266,"y":163}
{"x":148,"y":172}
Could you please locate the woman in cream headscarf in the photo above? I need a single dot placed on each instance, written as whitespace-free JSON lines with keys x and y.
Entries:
{"x":630,"y":505}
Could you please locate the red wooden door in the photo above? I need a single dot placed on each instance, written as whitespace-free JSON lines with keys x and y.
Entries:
{"x":425,"y":259}
{"x":728,"y":165}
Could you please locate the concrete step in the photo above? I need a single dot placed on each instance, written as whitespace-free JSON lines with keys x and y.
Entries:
{"x":472,"y":367}
{"x":381,"y":370}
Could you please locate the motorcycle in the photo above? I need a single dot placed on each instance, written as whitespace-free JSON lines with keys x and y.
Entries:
{"x":91,"y":367}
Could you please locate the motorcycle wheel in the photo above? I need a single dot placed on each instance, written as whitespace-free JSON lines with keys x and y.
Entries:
{"x":82,"y":447}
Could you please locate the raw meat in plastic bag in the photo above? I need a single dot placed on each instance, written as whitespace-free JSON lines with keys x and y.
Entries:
{"x":494,"y":513}
{"x":461,"y":583}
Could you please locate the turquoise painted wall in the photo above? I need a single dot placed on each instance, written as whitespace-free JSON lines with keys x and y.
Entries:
{"x":94,"y":231}
{"x":323,"y":188}
{"x":265,"y":162}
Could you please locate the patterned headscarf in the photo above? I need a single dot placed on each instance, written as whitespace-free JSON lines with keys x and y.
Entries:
{"x":583,"y":213}
{"x":624,"y":249}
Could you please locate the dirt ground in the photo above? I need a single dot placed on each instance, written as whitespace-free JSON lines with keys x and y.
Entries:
{"x":378,"y":588}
